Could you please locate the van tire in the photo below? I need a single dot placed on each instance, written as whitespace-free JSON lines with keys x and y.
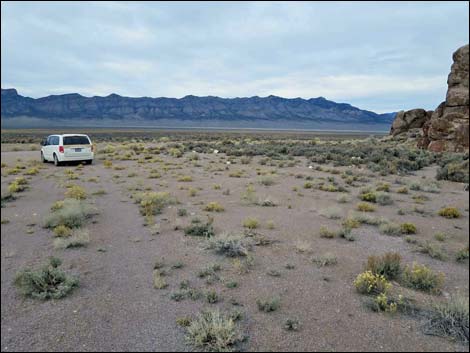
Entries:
{"x":89,"y":161}
{"x":56,"y":160}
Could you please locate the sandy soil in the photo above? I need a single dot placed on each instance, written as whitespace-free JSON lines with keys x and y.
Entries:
{"x":117,"y":308}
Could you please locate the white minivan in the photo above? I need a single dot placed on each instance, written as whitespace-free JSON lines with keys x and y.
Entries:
{"x":67,"y":148}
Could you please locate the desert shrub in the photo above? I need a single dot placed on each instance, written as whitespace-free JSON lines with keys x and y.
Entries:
{"x":185,"y":178}
{"x":267,"y":202}
{"x":408,"y":228}
{"x":402,"y":190}
{"x":365,"y":207}
{"x":449,"y":212}
{"x":210,"y":272}
{"x":245,"y":265}
{"x":326,"y":259}
{"x":367,"y":219}
{"x":268,"y":304}
{"x":214,"y":207}
{"x":432,"y":250}
{"x":107,"y":163}
{"x":251,"y":223}
{"x":454,"y":167}
{"x":370,"y":283}
{"x":291,"y":325}
{"x":230,"y":245}
{"x":462,"y":254}
{"x":57,"y":205}
{"x":192,"y":192}
{"x":153,"y":203}
{"x":7,"y":197}
{"x":76,"y":192}
{"x":175,"y":152}
{"x":249,"y":196}
{"x":440,"y":236}
{"x":423,"y":278}
{"x":159,"y":281}
{"x":369,"y":196}
{"x":450,"y":319}
{"x":350,"y":223}
{"x":343,"y":198}
{"x":77,"y":238}
{"x":213,"y":331}
{"x":200,"y":230}
{"x":383,"y":187}
{"x":388,"y":265}
{"x":331,"y":212}
{"x":382,"y":198}
{"x":212,"y":297}
{"x":182,"y":212}
{"x":18,"y":185}
{"x":308,"y":185}
{"x":266,"y":181}
{"x":383,"y":302}
{"x":72,"y":214}
{"x":32,"y":171}
{"x":62,"y":231}
{"x":326,"y":233}
{"x":390,"y":228}
{"x":49,"y":282}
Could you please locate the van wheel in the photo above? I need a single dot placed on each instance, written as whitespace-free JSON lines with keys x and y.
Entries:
{"x":43,"y":160}
{"x":56,"y":160}
{"x":89,"y":161}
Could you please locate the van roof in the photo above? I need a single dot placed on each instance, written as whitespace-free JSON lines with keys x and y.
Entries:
{"x":65,"y":135}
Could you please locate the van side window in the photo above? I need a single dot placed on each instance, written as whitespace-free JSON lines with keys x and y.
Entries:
{"x":55,"y":140}
{"x":49,"y":141}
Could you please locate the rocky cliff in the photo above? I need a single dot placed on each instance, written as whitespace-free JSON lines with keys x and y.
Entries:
{"x":446,"y":128}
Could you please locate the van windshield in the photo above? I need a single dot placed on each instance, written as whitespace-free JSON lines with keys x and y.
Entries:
{"x":76,"y":140}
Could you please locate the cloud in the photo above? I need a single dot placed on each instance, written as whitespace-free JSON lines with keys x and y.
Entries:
{"x":382,"y":57}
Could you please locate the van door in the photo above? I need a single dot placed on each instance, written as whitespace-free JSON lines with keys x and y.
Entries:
{"x":48,"y":149}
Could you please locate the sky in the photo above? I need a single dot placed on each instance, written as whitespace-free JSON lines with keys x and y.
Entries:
{"x":379,"y":56}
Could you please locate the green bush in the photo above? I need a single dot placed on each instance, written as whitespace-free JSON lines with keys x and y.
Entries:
{"x":214,"y":207}
{"x":449,"y":212}
{"x":72,"y":214}
{"x":77,"y":238}
{"x":388,"y":265}
{"x":408,"y":228}
{"x":454,"y":167}
{"x":228,"y":244}
{"x":370,"y":283}
{"x":200,"y":230}
{"x":423,"y":278}
{"x":383,"y":198}
{"x":49,"y":282}
{"x":268,"y":304}
{"x":450,"y":319}
{"x":213,"y":331}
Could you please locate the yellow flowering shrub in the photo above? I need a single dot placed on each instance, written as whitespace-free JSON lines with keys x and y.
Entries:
{"x":368,"y":282}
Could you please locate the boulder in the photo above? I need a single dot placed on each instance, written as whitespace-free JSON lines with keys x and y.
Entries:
{"x":411,"y":119}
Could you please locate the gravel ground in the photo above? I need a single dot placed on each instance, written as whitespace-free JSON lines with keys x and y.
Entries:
{"x":116,"y":307}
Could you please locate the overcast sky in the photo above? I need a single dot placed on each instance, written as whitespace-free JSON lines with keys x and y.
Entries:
{"x":377,"y":56}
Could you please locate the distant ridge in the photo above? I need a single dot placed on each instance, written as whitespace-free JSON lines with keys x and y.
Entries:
{"x":264,"y":112}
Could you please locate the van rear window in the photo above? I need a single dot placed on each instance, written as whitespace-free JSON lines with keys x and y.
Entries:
{"x":76,"y":140}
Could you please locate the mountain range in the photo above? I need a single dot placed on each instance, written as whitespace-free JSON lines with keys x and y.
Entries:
{"x":190,"y":111}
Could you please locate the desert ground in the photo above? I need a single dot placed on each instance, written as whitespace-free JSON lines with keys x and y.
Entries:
{"x":268,"y":230}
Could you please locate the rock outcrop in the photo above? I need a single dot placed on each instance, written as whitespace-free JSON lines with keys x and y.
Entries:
{"x":411,"y":119}
{"x":447,"y":128}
